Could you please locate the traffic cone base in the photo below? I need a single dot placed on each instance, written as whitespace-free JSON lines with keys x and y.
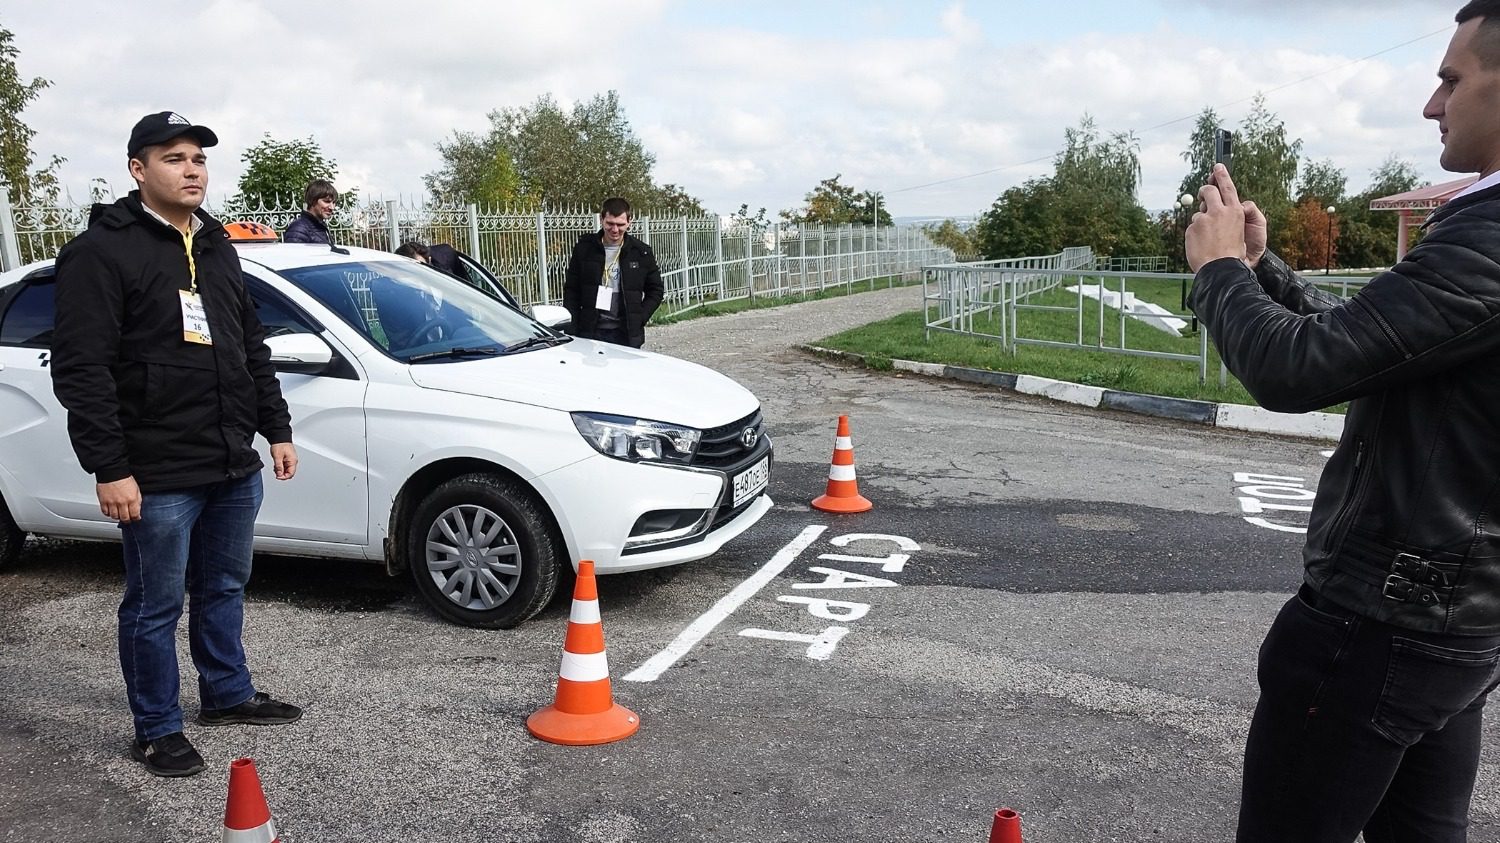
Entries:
{"x":560,"y":727}
{"x":583,"y":712}
{"x":843,"y":494}
{"x":843,"y":504}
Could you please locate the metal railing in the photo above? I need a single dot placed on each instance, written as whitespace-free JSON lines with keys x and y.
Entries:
{"x":1005,"y":301}
{"x":703,"y":259}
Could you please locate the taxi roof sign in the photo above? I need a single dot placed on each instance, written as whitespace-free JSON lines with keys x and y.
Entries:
{"x":246,"y":231}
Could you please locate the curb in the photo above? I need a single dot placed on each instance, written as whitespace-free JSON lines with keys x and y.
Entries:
{"x":1326,"y":426}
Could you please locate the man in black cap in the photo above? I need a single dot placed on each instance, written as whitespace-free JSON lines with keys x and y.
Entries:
{"x":161,"y":363}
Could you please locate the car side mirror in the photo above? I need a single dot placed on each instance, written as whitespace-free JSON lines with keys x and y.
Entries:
{"x":303,"y":354}
{"x":551,"y":315}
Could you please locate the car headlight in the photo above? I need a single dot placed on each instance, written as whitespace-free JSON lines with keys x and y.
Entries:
{"x":625,"y":438}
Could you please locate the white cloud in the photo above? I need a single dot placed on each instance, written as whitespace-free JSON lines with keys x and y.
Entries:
{"x":734,"y":113}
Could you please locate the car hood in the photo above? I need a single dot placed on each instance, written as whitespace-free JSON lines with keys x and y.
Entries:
{"x":588,"y":376}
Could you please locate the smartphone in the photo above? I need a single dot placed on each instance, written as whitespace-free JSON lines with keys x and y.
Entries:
{"x":1223,"y":147}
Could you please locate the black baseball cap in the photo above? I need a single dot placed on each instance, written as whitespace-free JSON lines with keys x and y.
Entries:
{"x":162,"y":127}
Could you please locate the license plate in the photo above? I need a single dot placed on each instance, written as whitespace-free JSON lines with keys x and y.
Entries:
{"x":751,"y":481}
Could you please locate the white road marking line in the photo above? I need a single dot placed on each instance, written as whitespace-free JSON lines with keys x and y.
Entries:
{"x":705,"y":623}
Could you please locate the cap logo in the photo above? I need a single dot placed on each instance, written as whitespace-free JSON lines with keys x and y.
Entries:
{"x":177,"y":119}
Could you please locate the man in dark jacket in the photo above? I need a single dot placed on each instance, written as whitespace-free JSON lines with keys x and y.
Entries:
{"x":311,"y":226}
{"x":161,"y":363}
{"x":1374,"y":676}
{"x":613,"y":283}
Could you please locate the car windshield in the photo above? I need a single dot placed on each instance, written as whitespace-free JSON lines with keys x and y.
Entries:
{"x":416,"y":313}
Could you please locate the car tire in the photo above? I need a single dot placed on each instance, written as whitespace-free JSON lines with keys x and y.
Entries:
{"x":482,"y":552}
{"x":12,"y":538}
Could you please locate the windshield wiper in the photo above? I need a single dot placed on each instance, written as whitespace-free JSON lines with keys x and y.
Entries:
{"x":533,"y":342}
{"x":457,"y":351}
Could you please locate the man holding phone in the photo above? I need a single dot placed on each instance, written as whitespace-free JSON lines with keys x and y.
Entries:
{"x":1374,"y":676}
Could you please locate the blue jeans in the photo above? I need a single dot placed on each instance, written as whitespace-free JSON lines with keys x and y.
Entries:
{"x":196,"y":539}
{"x":1363,"y":726}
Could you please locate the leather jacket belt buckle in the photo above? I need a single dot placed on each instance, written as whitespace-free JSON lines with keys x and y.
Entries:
{"x":1414,"y":579}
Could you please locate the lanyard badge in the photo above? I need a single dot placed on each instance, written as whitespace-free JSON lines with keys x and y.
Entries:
{"x":604,"y":297}
{"x":194,"y":319}
{"x":194,"y":316}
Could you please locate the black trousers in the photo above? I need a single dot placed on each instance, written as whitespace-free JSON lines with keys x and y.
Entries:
{"x":1363,"y":726}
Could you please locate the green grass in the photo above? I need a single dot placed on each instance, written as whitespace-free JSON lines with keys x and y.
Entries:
{"x":722,"y":308}
{"x":902,"y":337}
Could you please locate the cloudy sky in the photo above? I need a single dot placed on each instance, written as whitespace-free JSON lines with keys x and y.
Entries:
{"x":939,"y":105}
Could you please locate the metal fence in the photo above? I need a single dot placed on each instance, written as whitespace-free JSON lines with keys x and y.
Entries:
{"x":1008,"y":301}
{"x":702,"y":259}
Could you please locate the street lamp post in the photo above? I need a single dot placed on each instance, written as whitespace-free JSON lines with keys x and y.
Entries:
{"x":1328,"y":263}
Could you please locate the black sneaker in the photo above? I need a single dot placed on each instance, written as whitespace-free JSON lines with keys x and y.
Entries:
{"x":259,"y":710}
{"x":169,"y":755}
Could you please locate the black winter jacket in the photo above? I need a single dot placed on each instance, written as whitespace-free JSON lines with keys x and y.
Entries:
{"x":641,"y":289}
{"x":1405,"y":527}
{"x":141,"y":400}
{"x":306,"y":228}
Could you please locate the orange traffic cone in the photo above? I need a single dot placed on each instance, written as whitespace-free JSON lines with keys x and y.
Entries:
{"x":1006,"y":828}
{"x":843,"y":490}
{"x":583,"y":712}
{"x":246,"y":817}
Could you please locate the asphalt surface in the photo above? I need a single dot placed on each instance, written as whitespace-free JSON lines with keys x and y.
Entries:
{"x":1072,"y":633}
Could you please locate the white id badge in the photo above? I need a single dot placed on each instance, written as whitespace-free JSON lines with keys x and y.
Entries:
{"x":194,"y":319}
{"x":604,"y":299}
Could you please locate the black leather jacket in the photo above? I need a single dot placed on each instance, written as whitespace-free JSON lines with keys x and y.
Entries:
{"x":640,"y":285}
{"x":1404,"y":527}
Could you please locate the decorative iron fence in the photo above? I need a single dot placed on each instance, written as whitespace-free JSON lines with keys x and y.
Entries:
{"x":702,"y":259}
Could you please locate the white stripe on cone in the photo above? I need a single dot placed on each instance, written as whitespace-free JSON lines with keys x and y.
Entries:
{"x":840,"y":472}
{"x":843,"y":443}
{"x":260,"y":834}
{"x":584,"y":667}
{"x":585,"y":611}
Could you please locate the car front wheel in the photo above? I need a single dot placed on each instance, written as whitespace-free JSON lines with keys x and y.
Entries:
{"x":481,"y":553}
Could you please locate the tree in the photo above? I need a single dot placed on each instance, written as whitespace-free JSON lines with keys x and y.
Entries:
{"x":543,"y":155}
{"x":1310,"y":236}
{"x":27,"y":187}
{"x":477,"y":169}
{"x":1095,"y":184}
{"x":1199,"y":154}
{"x":1023,"y":221}
{"x":1368,"y":238}
{"x":1394,"y":175}
{"x":1322,"y":182}
{"x":277,"y":172}
{"x":1090,"y":200}
{"x":1265,"y":164}
{"x":950,"y":236}
{"x":834,"y":203}
{"x":744,"y":217}
{"x":670,"y":200}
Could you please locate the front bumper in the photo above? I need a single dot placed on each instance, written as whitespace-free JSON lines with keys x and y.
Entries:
{"x":599,"y":501}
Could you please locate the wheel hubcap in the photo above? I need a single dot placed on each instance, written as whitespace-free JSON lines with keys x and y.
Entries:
{"x":473,"y":557}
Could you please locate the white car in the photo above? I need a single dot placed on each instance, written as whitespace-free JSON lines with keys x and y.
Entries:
{"x":440,"y":430}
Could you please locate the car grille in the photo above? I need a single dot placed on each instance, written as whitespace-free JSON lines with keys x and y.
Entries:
{"x":723,"y":446}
